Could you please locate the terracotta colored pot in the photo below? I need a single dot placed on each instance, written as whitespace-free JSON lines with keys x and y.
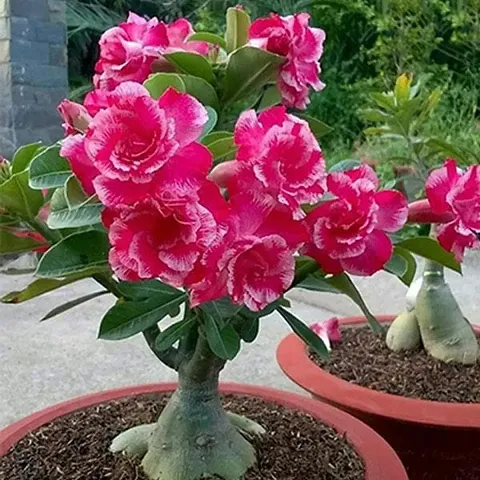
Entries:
{"x":380,"y":460}
{"x":435,"y":440}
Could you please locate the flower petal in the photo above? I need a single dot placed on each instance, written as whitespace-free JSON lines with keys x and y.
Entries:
{"x":392,"y":212}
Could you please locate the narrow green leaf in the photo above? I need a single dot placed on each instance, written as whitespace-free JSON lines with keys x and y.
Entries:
{"x":223,"y":149}
{"x":212,"y":121}
{"x":318,"y":128}
{"x":384,"y":101}
{"x":270,"y":98}
{"x":214,"y":136}
{"x":23,"y":156}
{"x":174,"y":333}
{"x":74,"y":194}
{"x":146,"y":289}
{"x":316,"y":283}
{"x":249,"y":329}
{"x":224,"y":342}
{"x":80,"y":216}
{"x":73,"y":303}
{"x":10,"y":243}
{"x":201,"y":90}
{"x":18,"y":198}
{"x":221,"y":310}
{"x":248,"y":70}
{"x":127,"y":319}
{"x":78,"y":253}
{"x":48,"y":169}
{"x":238,"y":25}
{"x":403,"y":265}
{"x":8,"y":220}
{"x":159,"y":82}
{"x":209,"y":38}
{"x":37,"y":288}
{"x":304,"y":332}
{"x":426,"y":247}
{"x":191,"y":64}
{"x":344,"y":165}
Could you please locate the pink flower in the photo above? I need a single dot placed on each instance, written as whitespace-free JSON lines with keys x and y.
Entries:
{"x":73,"y":149}
{"x":451,"y":191}
{"x":278,"y":156}
{"x":144,"y":146}
{"x":328,"y":331}
{"x":96,"y":100}
{"x":302,"y":45}
{"x":75,"y":116}
{"x":254,"y":263}
{"x":348,"y":232}
{"x":151,"y":240}
{"x":127,"y":52}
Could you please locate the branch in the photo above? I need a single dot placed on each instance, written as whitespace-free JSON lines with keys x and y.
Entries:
{"x":168,"y":357}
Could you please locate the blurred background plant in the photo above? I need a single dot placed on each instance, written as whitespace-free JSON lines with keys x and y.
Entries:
{"x":369,"y":44}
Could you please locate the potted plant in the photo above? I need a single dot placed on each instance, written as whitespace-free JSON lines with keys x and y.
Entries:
{"x":135,"y":205}
{"x":416,"y":385}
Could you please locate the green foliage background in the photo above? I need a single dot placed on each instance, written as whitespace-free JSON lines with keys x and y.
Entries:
{"x":369,"y":43}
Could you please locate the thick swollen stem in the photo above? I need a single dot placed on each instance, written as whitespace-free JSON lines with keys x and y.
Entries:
{"x":445,"y":332}
{"x":404,"y":333}
{"x":194,"y":437}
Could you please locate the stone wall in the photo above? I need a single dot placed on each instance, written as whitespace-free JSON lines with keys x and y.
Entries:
{"x":33,"y":71}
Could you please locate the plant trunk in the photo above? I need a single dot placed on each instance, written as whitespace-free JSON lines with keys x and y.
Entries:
{"x":194,"y":438}
{"x":445,"y":332}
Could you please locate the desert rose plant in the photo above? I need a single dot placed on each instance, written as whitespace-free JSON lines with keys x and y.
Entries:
{"x":433,"y":318}
{"x":174,"y":217}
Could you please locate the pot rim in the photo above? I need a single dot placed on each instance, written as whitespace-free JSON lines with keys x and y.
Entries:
{"x":295,"y":363}
{"x":379,"y":458}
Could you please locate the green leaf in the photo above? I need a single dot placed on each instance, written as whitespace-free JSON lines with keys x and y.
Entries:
{"x":221,"y":310}
{"x":384,"y":101}
{"x":81,"y":216}
{"x":23,"y":156}
{"x":201,"y":90}
{"x":18,"y":198}
{"x":222,"y":149}
{"x":74,"y":194}
{"x":37,"y":288}
{"x":212,"y":121}
{"x":344,"y":165}
{"x":403,"y":265}
{"x":10,"y":243}
{"x":48,"y":169}
{"x":249,"y":329}
{"x":73,"y":303}
{"x":270,"y":98}
{"x":428,"y":248}
{"x":248,"y":70}
{"x":132,"y":317}
{"x":224,"y":342}
{"x":8,"y":220}
{"x":191,"y":64}
{"x":375,"y":115}
{"x":238,"y":25}
{"x":402,"y":88}
{"x":209,"y":38}
{"x":214,"y":136}
{"x":159,"y":82}
{"x":146,"y":289}
{"x":80,"y":252}
{"x":304,"y":332}
{"x":340,"y":284}
{"x":174,"y":333}
{"x":318,"y":128}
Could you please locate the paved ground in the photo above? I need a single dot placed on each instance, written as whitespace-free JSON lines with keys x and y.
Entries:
{"x":41,"y":364}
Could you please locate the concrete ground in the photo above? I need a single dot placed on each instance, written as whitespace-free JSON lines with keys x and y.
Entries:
{"x":41,"y":364}
{"x":45,"y":363}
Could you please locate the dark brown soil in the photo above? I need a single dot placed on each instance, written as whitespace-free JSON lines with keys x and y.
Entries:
{"x":75,"y":447}
{"x":362,"y":357}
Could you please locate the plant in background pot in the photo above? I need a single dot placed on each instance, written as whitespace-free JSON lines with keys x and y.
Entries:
{"x":418,"y":383}
{"x":135,"y":204}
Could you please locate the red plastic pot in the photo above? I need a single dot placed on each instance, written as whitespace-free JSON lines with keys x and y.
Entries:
{"x":435,"y":440}
{"x":380,"y":460}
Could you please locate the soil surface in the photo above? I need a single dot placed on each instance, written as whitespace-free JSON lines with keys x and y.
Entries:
{"x":75,"y":447}
{"x":362,"y":357}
